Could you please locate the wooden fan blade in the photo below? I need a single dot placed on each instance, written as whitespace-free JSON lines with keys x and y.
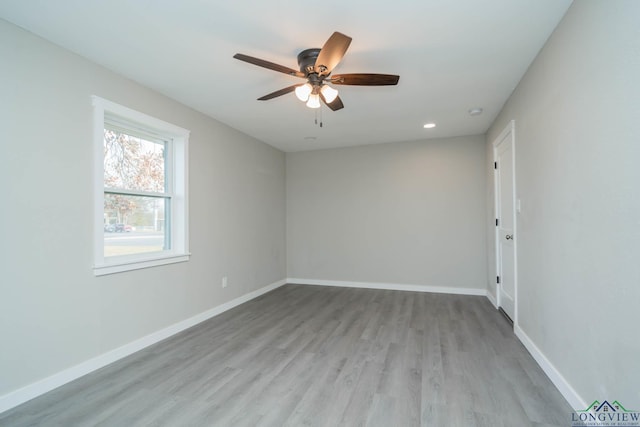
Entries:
{"x":269,"y":65}
{"x":331,"y":53}
{"x":362,"y":79}
{"x":277,"y":93}
{"x":335,"y":105}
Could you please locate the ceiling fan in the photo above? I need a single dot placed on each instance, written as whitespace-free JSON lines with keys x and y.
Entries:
{"x":316,"y":66}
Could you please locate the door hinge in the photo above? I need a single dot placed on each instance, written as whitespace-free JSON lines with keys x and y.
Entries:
{"x":497,"y":279}
{"x":495,"y":165}
{"x":497,"y":222}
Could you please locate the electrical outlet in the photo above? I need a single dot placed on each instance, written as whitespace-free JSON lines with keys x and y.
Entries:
{"x":224,"y":281}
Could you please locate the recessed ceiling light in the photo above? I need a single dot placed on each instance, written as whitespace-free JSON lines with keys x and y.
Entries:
{"x":475,"y":111}
{"x":429,"y":125}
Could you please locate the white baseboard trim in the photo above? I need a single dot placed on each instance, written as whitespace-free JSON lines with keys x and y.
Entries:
{"x":38,"y":388}
{"x":563,"y":386}
{"x":389,"y":286}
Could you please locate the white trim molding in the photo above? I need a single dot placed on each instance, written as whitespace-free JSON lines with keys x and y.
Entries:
{"x":175,"y":140}
{"x":45,"y":385}
{"x":509,"y":129}
{"x":563,"y":386}
{"x":492,"y":299}
{"x":390,"y":286}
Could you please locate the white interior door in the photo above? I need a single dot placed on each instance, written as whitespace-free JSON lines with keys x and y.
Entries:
{"x":505,"y":222}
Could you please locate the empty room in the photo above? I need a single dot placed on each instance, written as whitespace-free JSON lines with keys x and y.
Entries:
{"x":326,"y":214}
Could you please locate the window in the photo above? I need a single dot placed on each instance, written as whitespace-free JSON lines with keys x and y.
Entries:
{"x":140,"y":190}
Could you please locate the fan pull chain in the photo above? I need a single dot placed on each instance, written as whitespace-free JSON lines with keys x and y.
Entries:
{"x":316,"y":119}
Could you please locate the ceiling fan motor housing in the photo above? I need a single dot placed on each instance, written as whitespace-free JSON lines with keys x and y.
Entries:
{"x":307,"y":60}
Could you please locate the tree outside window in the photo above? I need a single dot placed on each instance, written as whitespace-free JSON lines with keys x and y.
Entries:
{"x":135,"y":193}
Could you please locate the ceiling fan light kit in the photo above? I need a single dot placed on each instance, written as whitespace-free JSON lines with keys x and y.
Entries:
{"x":316,"y":66}
{"x":303,"y":92}
{"x":329,"y":93}
{"x":314,"y":101}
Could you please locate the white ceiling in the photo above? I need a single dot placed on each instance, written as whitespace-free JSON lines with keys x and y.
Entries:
{"x":451,"y":55}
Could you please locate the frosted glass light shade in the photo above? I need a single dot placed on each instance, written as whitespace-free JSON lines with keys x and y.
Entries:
{"x":329,"y":93}
{"x":314,"y":101}
{"x":303,"y":92}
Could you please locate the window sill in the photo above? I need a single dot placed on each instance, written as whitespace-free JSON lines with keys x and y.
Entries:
{"x":119,"y":266}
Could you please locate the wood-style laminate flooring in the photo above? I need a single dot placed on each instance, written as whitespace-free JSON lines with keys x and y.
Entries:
{"x":320,"y":356}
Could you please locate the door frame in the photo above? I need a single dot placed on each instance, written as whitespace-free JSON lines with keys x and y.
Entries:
{"x":510,"y":128}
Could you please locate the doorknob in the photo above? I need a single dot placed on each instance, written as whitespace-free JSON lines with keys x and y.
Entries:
{"x":509,"y":237}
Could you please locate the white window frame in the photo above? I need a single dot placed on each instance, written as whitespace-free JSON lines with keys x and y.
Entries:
{"x":177,"y":173}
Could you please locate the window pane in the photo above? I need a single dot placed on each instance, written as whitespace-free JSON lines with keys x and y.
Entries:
{"x":134,"y":224}
{"x":133,"y":163}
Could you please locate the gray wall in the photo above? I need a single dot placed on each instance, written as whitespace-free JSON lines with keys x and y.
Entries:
{"x":54,"y":313}
{"x":577,"y":115}
{"x":406,"y":213}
